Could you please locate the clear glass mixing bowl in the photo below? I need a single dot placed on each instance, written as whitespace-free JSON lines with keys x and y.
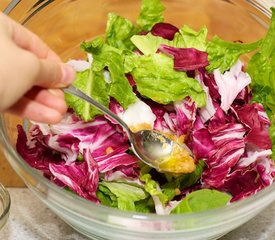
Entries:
{"x":64,"y":24}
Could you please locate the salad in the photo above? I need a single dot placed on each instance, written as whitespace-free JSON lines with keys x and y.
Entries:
{"x":176,"y":81}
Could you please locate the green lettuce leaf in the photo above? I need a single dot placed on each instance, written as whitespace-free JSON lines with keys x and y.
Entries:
{"x":121,"y":195}
{"x":261,"y":68}
{"x":190,"y":179}
{"x":156,"y":79}
{"x":202,"y":200}
{"x":223,"y":54}
{"x":175,"y":183}
{"x":149,"y":44}
{"x":119,"y":31}
{"x":189,"y":38}
{"x":185,"y":38}
{"x":95,"y":46}
{"x":112,"y":58}
{"x":120,"y":87}
{"x":93,"y":84}
{"x":151,"y":12}
{"x":152,"y":187}
{"x":145,"y":206}
{"x":187,"y":179}
{"x":106,"y":197}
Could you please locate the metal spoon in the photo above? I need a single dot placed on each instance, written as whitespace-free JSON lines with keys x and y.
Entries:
{"x":149,"y":146}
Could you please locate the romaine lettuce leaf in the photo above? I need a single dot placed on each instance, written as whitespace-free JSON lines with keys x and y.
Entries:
{"x":156,"y":79}
{"x":151,"y":12}
{"x":93,"y":84}
{"x":202,"y":200}
{"x":120,"y":195}
{"x":262,"y":71}
{"x":192,"y":38}
{"x":148,"y":44}
{"x":223,"y":55}
{"x":94,"y":47}
{"x":192,"y":178}
{"x":106,"y":197}
{"x":120,"y":87}
{"x":145,"y":206}
{"x":152,"y":187}
{"x":112,"y":58}
{"x":119,"y":31}
{"x":182,"y":181}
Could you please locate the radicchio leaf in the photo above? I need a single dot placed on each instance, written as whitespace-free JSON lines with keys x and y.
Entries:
{"x":231,"y":83}
{"x":35,"y":153}
{"x":165,"y":30}
{"x":201,"y":142}
{"x":254,"y":117}
{"x":229,"y":147}
{"x":186,"y":59}
{"x":246,"y":181}
{"x":82,"y":177}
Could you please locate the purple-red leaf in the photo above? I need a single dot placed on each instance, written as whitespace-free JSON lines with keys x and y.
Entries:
{"x":81,"y":177}
{"x":201,"y":142}
{"x":246,"y":181}
{"x":165,"y":30}
{"x":186,"y":59}
{"x":254,"y":117}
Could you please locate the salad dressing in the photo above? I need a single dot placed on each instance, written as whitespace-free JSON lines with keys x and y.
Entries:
{"x":179,"y":161}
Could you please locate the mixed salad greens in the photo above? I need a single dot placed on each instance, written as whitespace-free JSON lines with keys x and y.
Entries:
{"x":176,"y":81}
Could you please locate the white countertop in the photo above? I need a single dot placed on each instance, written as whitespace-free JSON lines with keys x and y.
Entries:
{"x":30,"y":219}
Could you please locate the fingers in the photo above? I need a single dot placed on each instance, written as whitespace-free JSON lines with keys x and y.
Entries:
{"x":41,"y":105}
{"x":53,"y":98}
{"x":53,"y":75}
{"x":27,"y":108}
{"x":21,"y":70}
{"x":27,"y":40}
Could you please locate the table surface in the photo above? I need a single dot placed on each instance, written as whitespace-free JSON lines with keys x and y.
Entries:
{"x":34,"y":221}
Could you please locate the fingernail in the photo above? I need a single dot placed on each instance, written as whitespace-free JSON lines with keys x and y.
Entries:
{"x":68,"y":74}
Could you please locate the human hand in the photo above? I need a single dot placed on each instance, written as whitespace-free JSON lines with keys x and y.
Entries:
{"x":30,"y":75}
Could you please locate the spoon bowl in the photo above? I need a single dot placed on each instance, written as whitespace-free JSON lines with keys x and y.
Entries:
{"x":150,"y":146}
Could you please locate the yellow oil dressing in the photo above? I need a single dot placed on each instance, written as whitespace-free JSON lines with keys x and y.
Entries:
{"x":180,"y":161}
{"x":141,"y":126}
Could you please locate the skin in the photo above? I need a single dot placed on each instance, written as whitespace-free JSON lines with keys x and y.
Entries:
{"x":31,"y":75}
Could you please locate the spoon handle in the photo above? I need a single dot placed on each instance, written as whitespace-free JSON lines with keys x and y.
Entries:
{"x":78,"y":93}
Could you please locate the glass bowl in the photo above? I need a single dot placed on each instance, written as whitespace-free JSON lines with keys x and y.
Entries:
{"x":5,"y":203}
{"x":64,"y":24}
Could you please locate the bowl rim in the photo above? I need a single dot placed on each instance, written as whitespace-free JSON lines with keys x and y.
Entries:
{"x":6,"y":202}
{"x":246,"y":203}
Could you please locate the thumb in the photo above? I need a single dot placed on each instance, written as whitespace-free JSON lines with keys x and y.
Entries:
{"x":52,"y":74}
